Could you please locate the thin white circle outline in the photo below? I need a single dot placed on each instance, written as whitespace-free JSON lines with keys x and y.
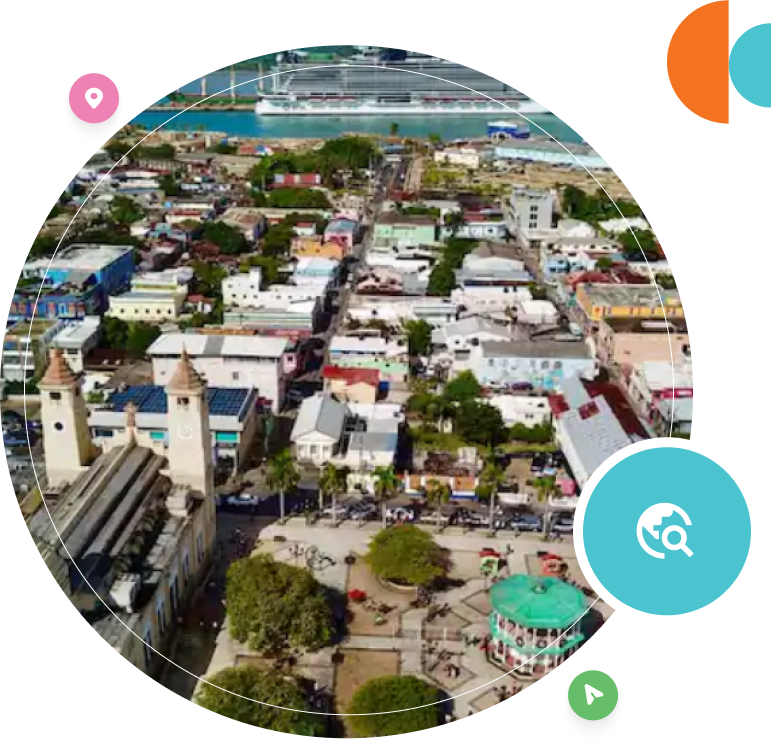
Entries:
{"x":160,"y":126}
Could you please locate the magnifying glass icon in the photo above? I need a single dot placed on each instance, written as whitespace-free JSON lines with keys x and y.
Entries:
{"x":680,"y":544}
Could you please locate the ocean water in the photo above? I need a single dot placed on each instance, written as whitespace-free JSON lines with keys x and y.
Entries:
{"x":248,"y":124}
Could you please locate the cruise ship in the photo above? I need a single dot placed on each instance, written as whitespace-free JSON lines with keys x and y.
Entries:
{"x":385,"y":82}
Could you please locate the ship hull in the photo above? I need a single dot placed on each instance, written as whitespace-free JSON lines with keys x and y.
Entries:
{"x":309,"y":109}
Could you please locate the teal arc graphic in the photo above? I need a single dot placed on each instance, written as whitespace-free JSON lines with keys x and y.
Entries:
{"x":749,"y":72}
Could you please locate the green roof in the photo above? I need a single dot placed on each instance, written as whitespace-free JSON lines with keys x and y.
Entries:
{"x":538,"y":601}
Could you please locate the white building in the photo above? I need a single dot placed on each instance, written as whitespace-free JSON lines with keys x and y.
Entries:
{"x":531,"y":209}
{"x":357,"y":436}
{"x":316,"y":270}
{"x":464,"y":157}
{"x":485,"y":299}
{"x":522,"y":409}
{"x":464,"y":334}
{"x":650,"y":382}
{"x":537,"y":312}
{"x":226,"y":361}
{"x":242,"y":290}
{"x":233,"y":421}
{"x":77,"y":340}
{"x":155,"y":297}
{"x":365,"y":345}
{"x":587,"y":430}
{"x":435,"y":311}
{"x":621,"y":225}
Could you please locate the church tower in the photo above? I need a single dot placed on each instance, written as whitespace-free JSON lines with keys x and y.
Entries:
{"x":66,"y":440}
{"x":190,"y":445}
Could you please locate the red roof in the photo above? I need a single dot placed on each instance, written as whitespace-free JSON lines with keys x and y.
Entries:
{"x":616,"y":400}
{"x":352,"y":376}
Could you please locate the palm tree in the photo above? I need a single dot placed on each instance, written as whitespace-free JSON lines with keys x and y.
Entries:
{"x":283,"y":476}
{"x":490,"y":480}
{"x":386,"y":487}
{"x":438,"y":494}
{"x":454,"y":221}
{"x":394,"y":129}
{"x":333,"y":482}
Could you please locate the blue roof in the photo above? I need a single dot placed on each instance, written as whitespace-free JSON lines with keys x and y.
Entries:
{"x":152,"y":399}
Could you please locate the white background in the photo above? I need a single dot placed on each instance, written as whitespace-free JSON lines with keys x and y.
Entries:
{"x":657,"y":132}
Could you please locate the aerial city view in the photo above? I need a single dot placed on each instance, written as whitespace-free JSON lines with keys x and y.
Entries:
{"x":300,"y":390}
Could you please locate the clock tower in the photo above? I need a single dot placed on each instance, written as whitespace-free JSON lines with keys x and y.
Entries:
{"x":190,"y":445}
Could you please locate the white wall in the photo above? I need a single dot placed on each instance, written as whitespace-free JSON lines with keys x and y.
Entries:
{"x":267,"y":377}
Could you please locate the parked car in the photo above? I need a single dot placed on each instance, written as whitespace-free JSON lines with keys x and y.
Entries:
{"x":242,"y":500}
{"x":526,"y":522}
{"x":467,"y":518}
{"x":400,"y":514}
{"x":562,"y":522}
{"x":362,"y":511}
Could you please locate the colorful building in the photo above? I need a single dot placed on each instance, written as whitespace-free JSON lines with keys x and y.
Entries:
{"x":536,"y":623}
{"x":316,"y":246}
{"x":411,"y":229}
{"x":643,"y":301}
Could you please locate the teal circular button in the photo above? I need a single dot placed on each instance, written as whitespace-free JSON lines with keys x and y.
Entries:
{"x":666,"y":531}
{"x":749,"y":63}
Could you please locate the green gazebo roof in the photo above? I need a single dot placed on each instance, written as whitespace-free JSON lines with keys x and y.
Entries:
{"x":538,"y":601}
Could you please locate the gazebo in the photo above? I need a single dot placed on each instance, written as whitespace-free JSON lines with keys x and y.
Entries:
{"x":535,"y":624}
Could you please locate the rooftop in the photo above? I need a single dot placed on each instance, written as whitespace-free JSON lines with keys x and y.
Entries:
{"x":635,"y":325}
{"x":536,"y":349}
{"x":211,"y":345}
{"x":397,"y":218}
{"x":320,"y":414}
{"x":631,"y":295}
{"x":82,"y":257}
{"x":153,"y":399}
{"x":352,"y":376}
{"x":538,"y":602}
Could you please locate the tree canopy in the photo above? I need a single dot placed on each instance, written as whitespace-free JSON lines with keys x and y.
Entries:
{"x":267,"y":687}
{"x":125,"y":211}
{"x":228,"y":239}
{"x":135,"y":338}
{"x":384,"y":694}
{"x":406,"y":554}
{"x":463,"y":387}
{"x":479,"y":423}
{"x":418,"y":337}
{"x":273,"y":606}
{"x":594,"y":208}
{"x":292,"y":198}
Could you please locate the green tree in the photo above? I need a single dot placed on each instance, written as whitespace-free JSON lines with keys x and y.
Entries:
{"x":332,"y":483}
{"x":386,"y":487}
{"x":208,"y":278}
{"x":455,"y":221}
{"x":604,"y":263}
{"x":632,"y":241}
{"x":169,"y":186}
{"x":277,"y":240}
{"x":156,"y":152}
{"x":438,"y":494}
{"x":434,"y":138}
{"x":223,"y":148}
{"x":384,"y":694}
{"x":441,"y":282}
{"x":228,"y":239}
{"x":479,"y":423}
{"x":283,"y":476}
{"x":114,"y":332}
{"x":297,"y":198}
{"x":406,"y":554}
{"x":538,"y":434}
{"x":43,"y":246}
{"x":666,"y":281}
{"x":125,"y":211}
{"x":117,"y":149}
{"x":140,"y":338}
{"x":463,"y":387}
{"x":273,"y":606}
{"x":393,"y":129}
{"x":239,"y":692}
{"x":418,"y":337}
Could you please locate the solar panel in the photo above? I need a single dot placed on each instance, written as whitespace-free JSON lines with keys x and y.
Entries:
{"x":153,"y":399}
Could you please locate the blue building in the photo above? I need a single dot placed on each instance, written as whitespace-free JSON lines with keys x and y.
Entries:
{"x":67,"y":301}
{"x":111,"y":265}
{"x":500,"y":130}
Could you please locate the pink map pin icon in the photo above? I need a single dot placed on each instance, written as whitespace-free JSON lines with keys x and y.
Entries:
{"x":94,"y":97}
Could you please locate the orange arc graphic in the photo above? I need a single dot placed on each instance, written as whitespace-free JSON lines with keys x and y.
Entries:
{"x":692,"y":62}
